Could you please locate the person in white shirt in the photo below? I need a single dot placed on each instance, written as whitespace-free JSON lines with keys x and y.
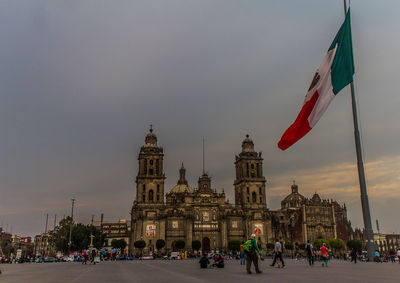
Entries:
{"x":398,"y":254}
{"x":278,"y":254}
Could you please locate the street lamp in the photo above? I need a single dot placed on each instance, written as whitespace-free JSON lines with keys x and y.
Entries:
{"x":70,"y":225}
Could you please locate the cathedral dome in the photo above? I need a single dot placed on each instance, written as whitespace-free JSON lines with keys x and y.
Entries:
{"x":294,"y":199}
{"x":182,"y":185}
{"x":181,"y":188}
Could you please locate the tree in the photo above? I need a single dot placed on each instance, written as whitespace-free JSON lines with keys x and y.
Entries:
{"x":234,"y":245}
{"x":196,"y":245}
{"x":160,"y":243}
{"x":270,"y":246}
{"x":318,"y":243}
{"x":80,"y":236}
{"x":180,"y":245}
{"x":300,"y":246}
{"x":336,"y":244}
{"x":288,"y":246}
{"x":140,"y":244}
{"x":61,"y":234}
{"x":355,"y":244}
{"x":119,"y":244}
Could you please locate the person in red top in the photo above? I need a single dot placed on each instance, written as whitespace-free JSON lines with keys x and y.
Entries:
{"x":324,"y":255}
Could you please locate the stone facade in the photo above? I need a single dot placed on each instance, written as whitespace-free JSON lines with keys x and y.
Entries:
{"x":205,"y":215}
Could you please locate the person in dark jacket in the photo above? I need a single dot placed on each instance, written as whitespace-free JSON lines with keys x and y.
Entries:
{"x":204,"y":262}
{"x":353,"y":255}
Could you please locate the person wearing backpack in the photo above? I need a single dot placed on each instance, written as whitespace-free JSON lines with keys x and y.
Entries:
{"x":310,"y":253}
{"x":252,"y":251}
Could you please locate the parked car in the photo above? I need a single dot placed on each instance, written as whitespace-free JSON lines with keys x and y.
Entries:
{"x":68,"y":258}
{"x":175,"y":255}
{"x":50,"y":259}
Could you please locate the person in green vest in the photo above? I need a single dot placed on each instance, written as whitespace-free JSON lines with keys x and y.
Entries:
{"x":252,"y":252}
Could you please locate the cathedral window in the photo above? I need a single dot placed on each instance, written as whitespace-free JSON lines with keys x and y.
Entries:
{"x":248,"y":190}
{"x":151,"y":161}
{"x":247,"y":170}
{"x":144,"y":188}
{"x":254,"y":197}
{"x":143,"y":197}
{"x":248,"y":199}
{"x":259,"y":190}
{"x":145,"y":166}
{"x":158,"y":167}
{"x":260,"y":199}
{"x":252,"y":166}
{"x":252,"y":174}
{"x":151,"y":195}
{"x":151,"y":172}
{"x":158,"y":197}
{"x":158,"y":188}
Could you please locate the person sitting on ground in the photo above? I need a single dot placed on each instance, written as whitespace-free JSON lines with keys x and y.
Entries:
{"x":204,"y":262}
{"x":218,"y":261}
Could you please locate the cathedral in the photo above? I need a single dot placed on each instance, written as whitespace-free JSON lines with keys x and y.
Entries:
{"x":203,"y":214}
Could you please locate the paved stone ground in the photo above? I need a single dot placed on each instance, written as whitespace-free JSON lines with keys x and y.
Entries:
{"x":188,"y":271}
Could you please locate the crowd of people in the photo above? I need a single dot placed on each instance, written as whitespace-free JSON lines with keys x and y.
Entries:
{"x":250,"y":254}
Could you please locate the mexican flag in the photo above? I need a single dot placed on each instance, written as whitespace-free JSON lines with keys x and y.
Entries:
{"x":335,"y":72}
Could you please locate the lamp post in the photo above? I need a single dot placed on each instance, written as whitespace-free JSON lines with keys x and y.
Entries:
{"x":70,"y":225}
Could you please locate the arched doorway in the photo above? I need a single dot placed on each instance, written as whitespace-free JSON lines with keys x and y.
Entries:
{"x":206,"y":244}
{"x":173,"y":247}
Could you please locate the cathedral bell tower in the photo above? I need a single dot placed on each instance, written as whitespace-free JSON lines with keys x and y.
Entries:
{"x":250,"y":182}
{"x":150,"y":178}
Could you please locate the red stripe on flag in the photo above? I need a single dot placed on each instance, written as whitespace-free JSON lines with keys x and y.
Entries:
{"x":300,"y":127}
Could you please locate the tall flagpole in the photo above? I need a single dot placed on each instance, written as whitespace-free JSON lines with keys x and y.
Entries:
{"x":204,"y":171}
{"x":369,"y":234}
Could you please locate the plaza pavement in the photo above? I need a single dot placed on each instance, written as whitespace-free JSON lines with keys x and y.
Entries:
{"x":189,"y":271}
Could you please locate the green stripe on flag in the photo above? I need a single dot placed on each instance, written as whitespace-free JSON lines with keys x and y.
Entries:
{"x":342,"y":68}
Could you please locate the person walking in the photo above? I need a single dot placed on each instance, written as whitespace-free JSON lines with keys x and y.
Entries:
{"x":398,"y":254}
{"x":377,"y":256}
{"x":85,"y":256}
{"x":242,"y":254}
{"x":353,"y":255}
{"x":310,"y":253}
{"x":324,"y":255}
{"x":252,"y":251}
{"x":93,"y":256}
{"x":278,"y":254}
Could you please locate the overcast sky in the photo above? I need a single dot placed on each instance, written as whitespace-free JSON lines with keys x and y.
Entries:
{"x":81,"y":81}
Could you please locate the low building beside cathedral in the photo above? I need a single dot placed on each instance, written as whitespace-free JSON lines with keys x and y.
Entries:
{"x":204,"y":215}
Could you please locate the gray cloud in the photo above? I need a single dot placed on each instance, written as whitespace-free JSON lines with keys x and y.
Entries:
{"x":82,"y":80}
